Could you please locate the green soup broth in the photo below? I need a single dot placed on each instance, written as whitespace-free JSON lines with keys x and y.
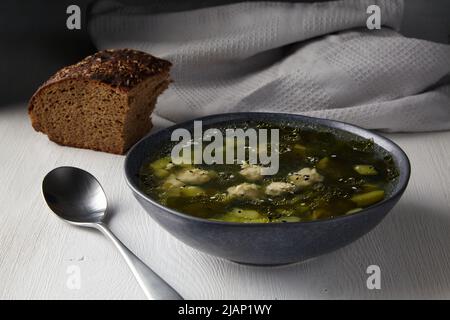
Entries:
{"x":322,"y":174}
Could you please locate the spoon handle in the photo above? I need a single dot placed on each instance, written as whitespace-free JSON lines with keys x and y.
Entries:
{"x":154,"y":287}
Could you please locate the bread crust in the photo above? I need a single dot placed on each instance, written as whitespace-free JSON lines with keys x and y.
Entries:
{"x":122,"y":69}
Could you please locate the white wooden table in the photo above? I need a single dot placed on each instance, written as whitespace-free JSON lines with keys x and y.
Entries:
{"x":411,"y":246}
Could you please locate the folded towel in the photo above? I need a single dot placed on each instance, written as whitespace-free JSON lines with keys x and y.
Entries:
{"x":316,"y":59}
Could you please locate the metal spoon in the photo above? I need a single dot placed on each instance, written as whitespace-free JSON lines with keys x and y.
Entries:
{"x":78,"y":198}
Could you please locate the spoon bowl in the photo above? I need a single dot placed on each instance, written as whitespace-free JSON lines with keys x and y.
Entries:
{"x":75,"y":195}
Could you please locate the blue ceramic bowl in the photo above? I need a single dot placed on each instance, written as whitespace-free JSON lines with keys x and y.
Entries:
{"x":271,"y":243}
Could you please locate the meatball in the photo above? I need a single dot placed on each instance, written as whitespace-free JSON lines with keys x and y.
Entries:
{"x":279,"y":188}
{"x":251,"y":172}
{"x":195,"y":176}
{"x":305,"y":177}
{"x":245,"y":190}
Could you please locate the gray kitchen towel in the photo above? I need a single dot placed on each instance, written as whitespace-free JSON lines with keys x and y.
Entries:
{"x":317,"y":59}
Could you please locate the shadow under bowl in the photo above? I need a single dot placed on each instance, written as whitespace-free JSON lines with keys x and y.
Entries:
{"x":266,"y":243}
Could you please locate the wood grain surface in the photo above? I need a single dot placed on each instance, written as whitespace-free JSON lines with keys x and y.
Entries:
{"x":411,"y":245}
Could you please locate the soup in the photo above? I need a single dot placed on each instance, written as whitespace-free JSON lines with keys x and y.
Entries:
{"x":322,"y":174}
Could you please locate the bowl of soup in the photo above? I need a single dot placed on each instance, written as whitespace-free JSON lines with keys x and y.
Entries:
{"x":266,"y":188}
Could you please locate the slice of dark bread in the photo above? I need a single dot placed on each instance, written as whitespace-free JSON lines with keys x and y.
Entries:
{"x":103,"y":102}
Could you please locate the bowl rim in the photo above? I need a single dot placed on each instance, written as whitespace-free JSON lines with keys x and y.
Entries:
{"x":399,"y":155}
